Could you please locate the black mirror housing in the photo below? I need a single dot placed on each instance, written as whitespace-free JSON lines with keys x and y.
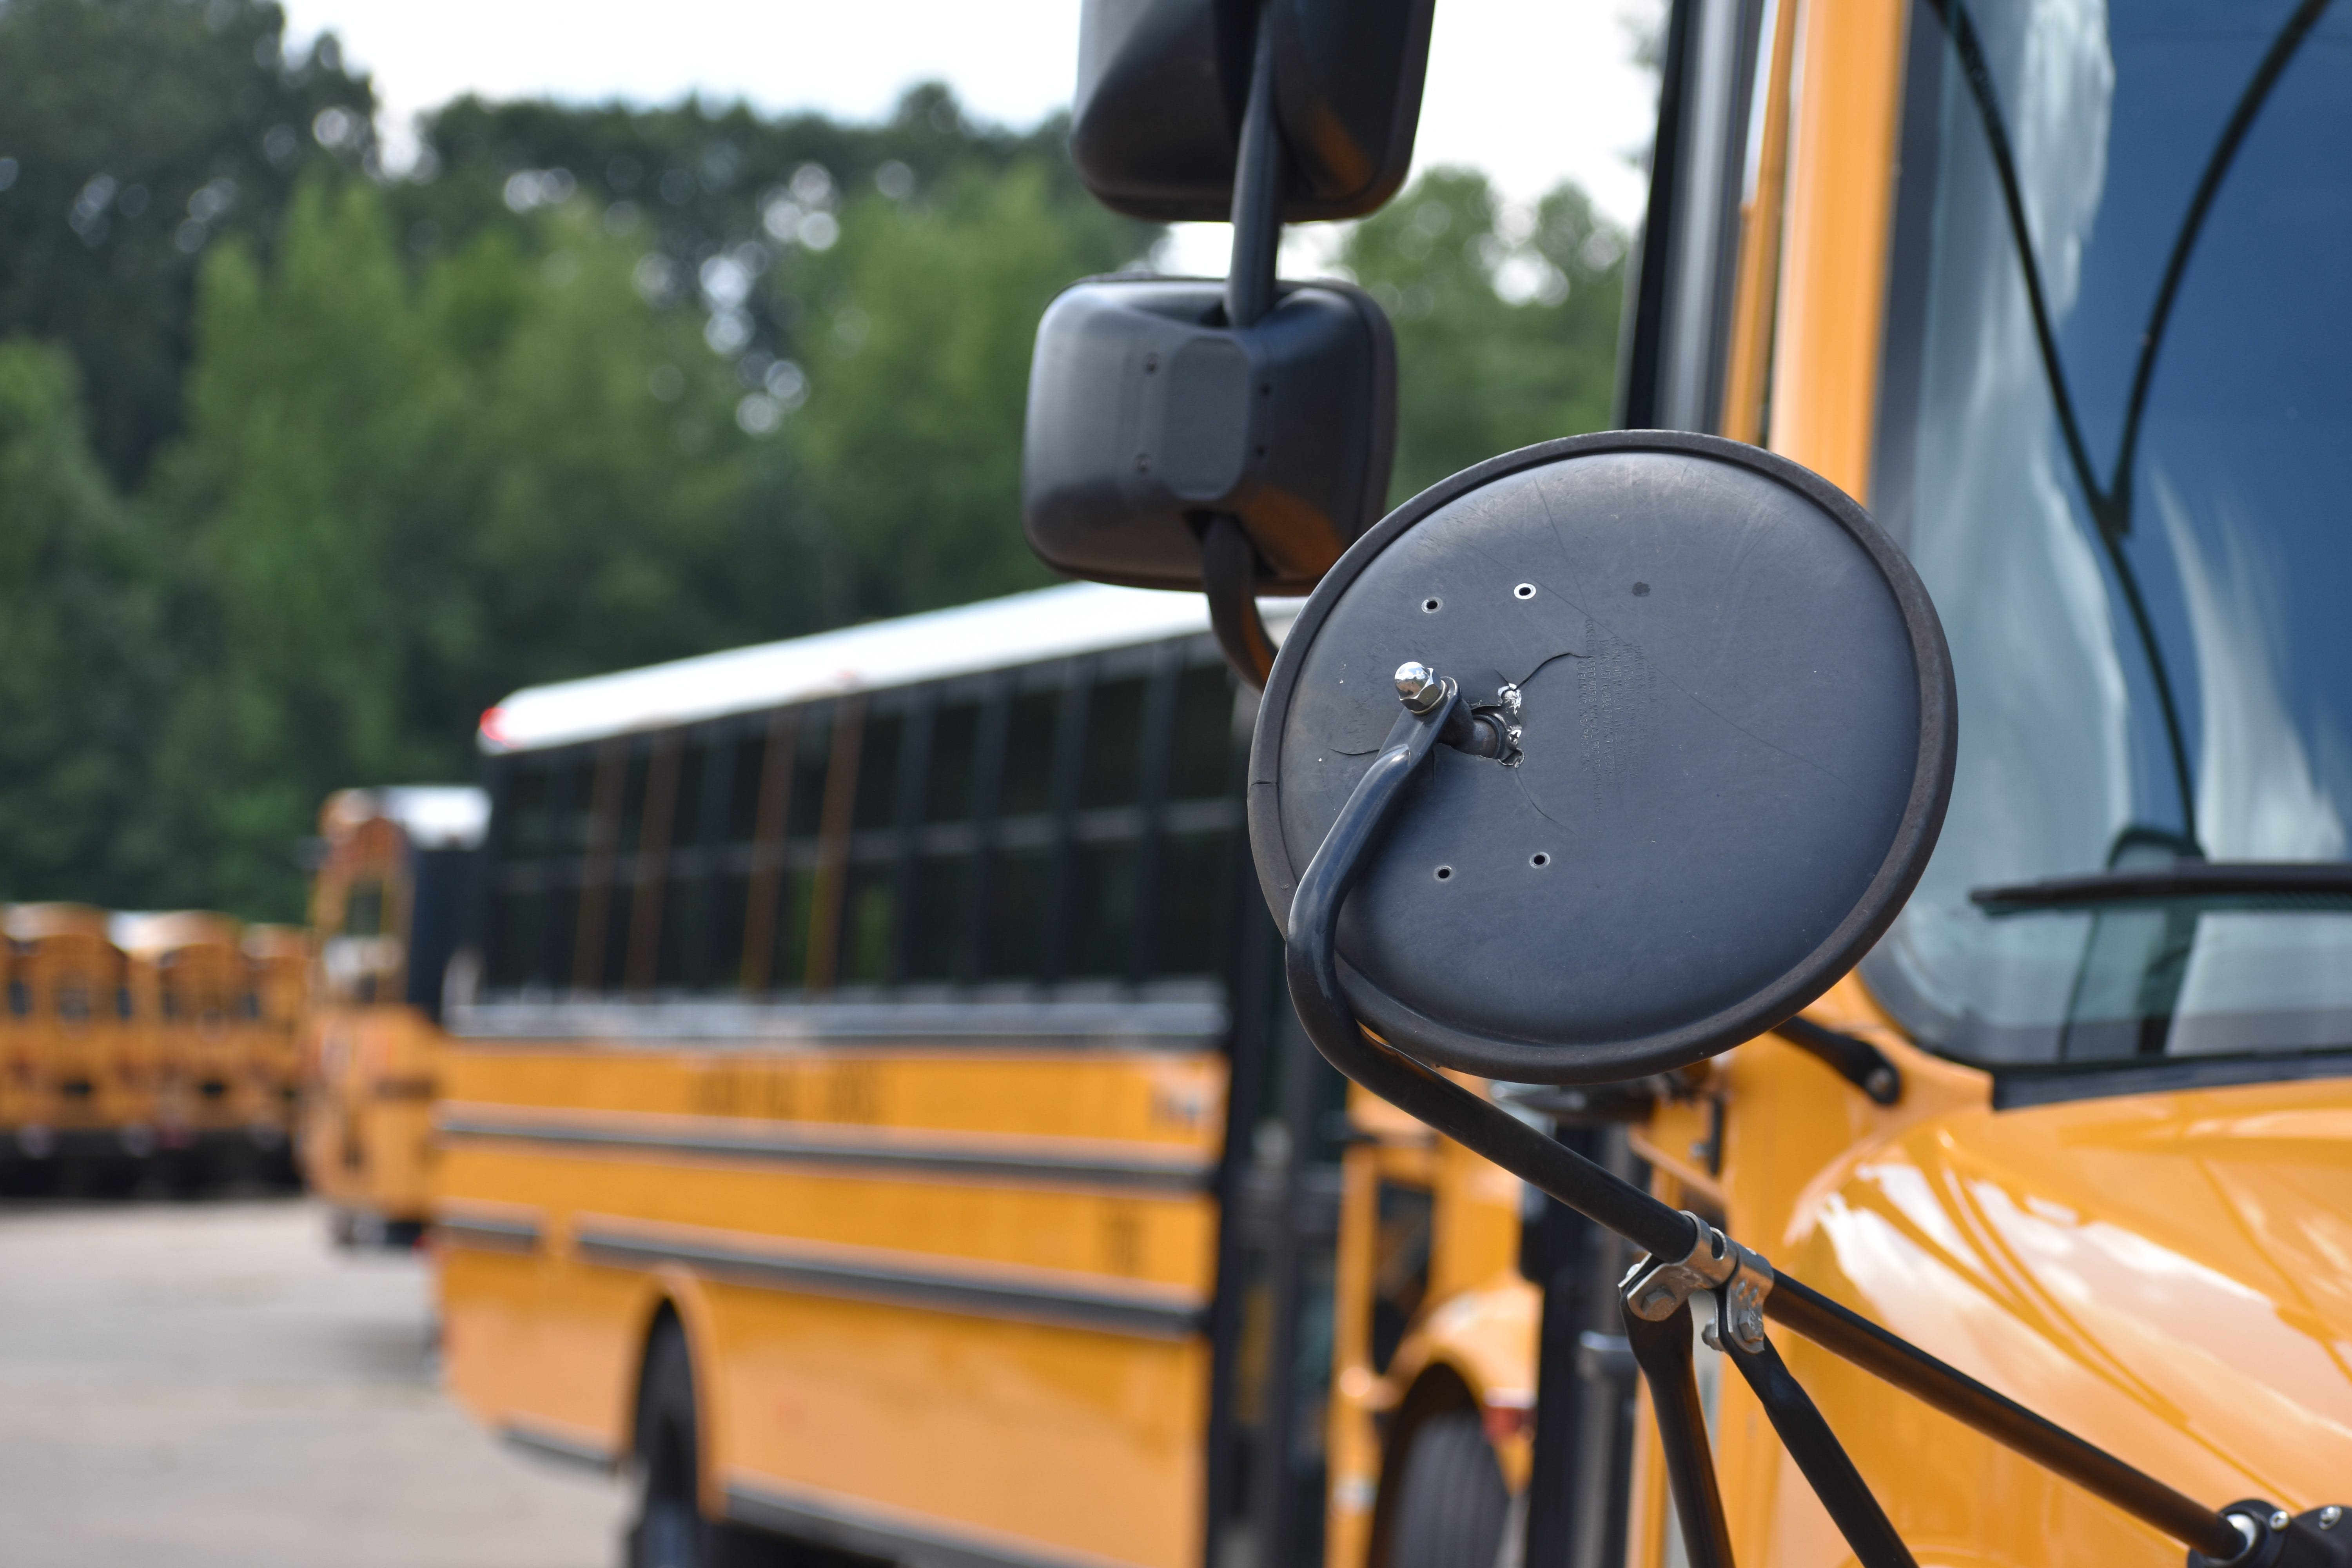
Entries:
{"x":1163,"y":84}
{"x":1148,"y":414}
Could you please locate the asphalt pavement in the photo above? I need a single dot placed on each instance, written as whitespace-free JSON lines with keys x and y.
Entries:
{"x":213,"y":1383}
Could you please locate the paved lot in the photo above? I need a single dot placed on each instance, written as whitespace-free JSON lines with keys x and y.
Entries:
{"x":212,"y":1384}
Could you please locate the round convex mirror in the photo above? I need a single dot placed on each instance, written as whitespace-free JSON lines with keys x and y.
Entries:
{"x":1735,"y":731}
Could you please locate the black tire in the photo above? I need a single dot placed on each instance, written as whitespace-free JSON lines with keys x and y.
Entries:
{"x":1451,"y":1505}
{"x":668,"y":1529}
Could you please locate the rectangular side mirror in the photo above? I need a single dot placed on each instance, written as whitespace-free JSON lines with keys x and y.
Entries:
{"x":1148,"y":414}
{"x":1162,"y":86}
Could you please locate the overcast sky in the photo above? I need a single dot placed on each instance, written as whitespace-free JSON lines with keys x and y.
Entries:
{"x":1530,"y":90}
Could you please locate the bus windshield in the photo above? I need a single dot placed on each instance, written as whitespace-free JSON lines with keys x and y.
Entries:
{"x":2117,"y":439}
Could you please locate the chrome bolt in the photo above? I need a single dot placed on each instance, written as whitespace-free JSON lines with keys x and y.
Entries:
{"x":2330,"y":1516}
{"x":1419,"y":686}
{"x":2281,"y":1520}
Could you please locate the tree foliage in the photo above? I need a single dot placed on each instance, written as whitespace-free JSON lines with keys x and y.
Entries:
{"x":283,"y":510}
{"x":1506,"y":323}
{"x":132,"y":133}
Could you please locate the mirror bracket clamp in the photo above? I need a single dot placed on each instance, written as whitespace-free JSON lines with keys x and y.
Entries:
{"x":1655,"y":1292}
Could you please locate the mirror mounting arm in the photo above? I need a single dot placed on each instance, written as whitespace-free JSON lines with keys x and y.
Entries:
{"x":1261,"y":181}
{"x":1386,"y":1069}
{"x":1229,"y":564}
{"x":1229,"y":576}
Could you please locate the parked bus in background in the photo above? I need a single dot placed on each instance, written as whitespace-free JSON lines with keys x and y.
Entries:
{"x":393,"y":868}
{"x":872,"y":1120}
{"x":191,"y":994}
{"x":276,"y":1010}
{"x":79,"y":1080}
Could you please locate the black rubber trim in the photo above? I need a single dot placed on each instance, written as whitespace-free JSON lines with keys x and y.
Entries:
{"x":2213,"y":879}
{"x":487,"y":1234}
{"x":1127,"y":1175}
{"x":938,"y":1290}
{"x":843,"y":1526}
{"x":564,"y":1450}
{"x":1520,"y":1061}
{"x":2015,"y":1089}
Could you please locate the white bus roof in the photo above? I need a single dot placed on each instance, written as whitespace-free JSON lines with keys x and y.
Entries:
{"x":1077,"y":617}
{"x":434,"y":816}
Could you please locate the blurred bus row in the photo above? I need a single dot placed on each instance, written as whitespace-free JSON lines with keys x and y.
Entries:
{"x":139,"y":1045}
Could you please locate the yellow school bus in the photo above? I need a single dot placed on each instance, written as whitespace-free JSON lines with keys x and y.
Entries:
{"x":218,"y":1113}
{"x":869,"y":1100}
{"x":274,"y":1007}
{"x":79,"y":1079}
{"x":393,"y":866}
{"x":2053,"y":299}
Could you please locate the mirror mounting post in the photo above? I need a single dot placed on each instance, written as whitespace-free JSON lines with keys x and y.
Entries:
{"x":1229,"y":564}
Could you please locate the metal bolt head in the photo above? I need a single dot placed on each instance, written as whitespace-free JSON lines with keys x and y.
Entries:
{"x":1418,"y":687}
{"x":2330,"y":1517}
{"x":2281,"y":1520}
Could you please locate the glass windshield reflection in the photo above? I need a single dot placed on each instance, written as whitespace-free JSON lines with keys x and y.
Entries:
{"x":2118,"y":441}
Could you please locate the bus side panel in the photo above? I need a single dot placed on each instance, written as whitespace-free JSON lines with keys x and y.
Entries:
{"x":949,"y":1295}
{"x":542,"y":1348}
{"x":1014,"y":1432}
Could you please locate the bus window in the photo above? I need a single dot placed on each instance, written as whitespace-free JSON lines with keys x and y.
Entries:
{"x":363,"y":910}
{"x":1021,"y":903}
{"x":1028,"y":784}
{"x":73,"y":1002}
{"x":877,"y":771}
{"x":1112,"y":772}
{"x":683,"y":940}
{"x":20,"y":999}
{"x":1102,"y":936}
{"x":1196,"y":869}
{"x":939,"y":916}
{"x":868,"y":923}
{"x":1201,"y":761}
{"x":1399,"y":1266}
{"x":954,"y":764}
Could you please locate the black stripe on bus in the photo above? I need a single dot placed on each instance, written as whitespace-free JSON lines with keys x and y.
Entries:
{"x":1095,"y":1171}
{"x":555,"y":1446}
{"x":1072,"y":1305}
{"x":844,"y":1526}
{"x":489,"y":1235}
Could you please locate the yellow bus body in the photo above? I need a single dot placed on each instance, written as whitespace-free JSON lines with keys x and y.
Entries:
{"x":80,"y":1077}
{"x":2167,"y":1274}
{"x":368,"y":1054}
{"x":907,"y":1341}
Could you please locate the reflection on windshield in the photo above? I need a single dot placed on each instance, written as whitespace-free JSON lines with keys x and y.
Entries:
{"x":2118,"y":439}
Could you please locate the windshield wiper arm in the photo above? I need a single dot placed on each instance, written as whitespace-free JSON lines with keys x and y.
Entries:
{"x":2182,"y":880}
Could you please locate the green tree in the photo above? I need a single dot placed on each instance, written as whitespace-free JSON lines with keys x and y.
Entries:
{"x":916,"y":334}
{"x":79,"y":647}
{"x":132,"y":133}
{"x":1506,"y":323}
{"x":403,"y":493}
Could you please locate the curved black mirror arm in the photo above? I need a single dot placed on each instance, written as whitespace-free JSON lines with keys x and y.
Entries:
{"x":1551,"y":1167}
{"x":1229,"y":564}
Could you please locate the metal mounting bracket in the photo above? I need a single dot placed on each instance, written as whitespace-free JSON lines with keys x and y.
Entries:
{"x":1655,"y":1292}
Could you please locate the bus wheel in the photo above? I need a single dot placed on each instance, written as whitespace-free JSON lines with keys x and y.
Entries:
{"x":669,"y":1530}
{"x":1452,"y":1506}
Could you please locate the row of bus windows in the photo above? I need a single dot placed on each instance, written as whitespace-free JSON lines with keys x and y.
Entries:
{"x":79,"y":1003}
{"x":1073,"y":821}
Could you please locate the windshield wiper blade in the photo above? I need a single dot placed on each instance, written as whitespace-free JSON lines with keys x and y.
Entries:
{"x":2222,"y":879}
